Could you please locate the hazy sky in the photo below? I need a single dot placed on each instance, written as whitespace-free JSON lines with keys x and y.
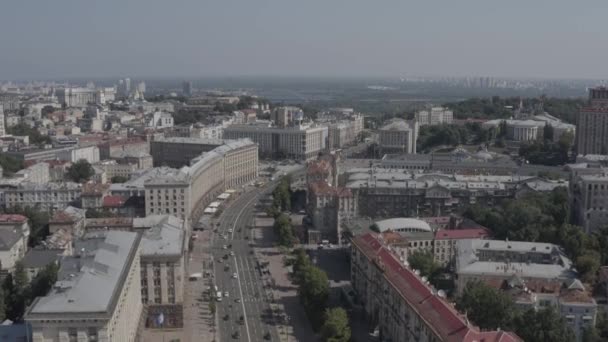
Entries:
{"x":198,"y":38}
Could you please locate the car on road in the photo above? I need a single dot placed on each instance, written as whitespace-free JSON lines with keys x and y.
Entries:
{"x":224,"y":247}
{"x":231,"y":253}
{"x":238,"y":300}
{"x":226,"y":294}
{"x":236,"y":335}
{"x":226,"y":268}
{"x":267,"y":336}
{"x":234,"y":275}
{"x":230,"y":231}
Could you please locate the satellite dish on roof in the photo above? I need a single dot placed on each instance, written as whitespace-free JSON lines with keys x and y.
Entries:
{"x":441,"y":294}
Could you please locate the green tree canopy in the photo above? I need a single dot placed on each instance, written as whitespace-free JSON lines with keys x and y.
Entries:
{"x":487,"y":307}
{"x":284,"y":230}
{"x":545,"y":325}
{"x":10,"y":165}
{"x":424,"y":261}
{"x":81,"y":171}
{"x":335,"y":328}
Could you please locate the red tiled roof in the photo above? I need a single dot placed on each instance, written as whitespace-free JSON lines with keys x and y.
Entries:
{"x":61,"y":217}
{"x":439,"y":315}
{"x":449,"y":234}
{"x":12,"y":218}
{"x":94,"y":189}
{"x":114,"y":201}
{"x":318,"y":166}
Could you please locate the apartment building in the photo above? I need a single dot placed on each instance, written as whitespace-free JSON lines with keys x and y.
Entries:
{"x":328,"y":206}
{"x":14,"y":233}
{"x":113,"y":169}
{"x":344,"y":132}
{"x":301,"y":142}
{"x":97,"y":296}
{"x":534,"y":274}
{"x":76,"y":97}
{"x":592,"y":124}
{"x":177,"y":152}
{"x":588,"y":194}
{"x":395,"y":193}
{"x":116,"y":148}
{"x":162,"y":259}
{"x":402,"y":305}
{"x":45,"y":197}
{"x":435,"y":116}
{"x":399,"y":136}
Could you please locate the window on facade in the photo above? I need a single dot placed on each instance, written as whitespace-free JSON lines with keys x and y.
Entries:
{"x":72,"y":335}
{"x":92,"y":334}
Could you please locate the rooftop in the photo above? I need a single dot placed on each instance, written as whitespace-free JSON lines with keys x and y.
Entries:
{"x":12,"y":218}
{"x":8,"y":239}
{"x":395,"y":224}
{"x":39,"y":258}
{"x":435,"y":311}
{"x":397,"y":125}
{"x":448,"y":234}
{"x":473,"y":258}
{"x":166,"y":237}
{"x":91,"y":281}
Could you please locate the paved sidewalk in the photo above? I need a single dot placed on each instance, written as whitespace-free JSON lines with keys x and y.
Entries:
{"x":199,"y":323}
{"x":292,"y":322}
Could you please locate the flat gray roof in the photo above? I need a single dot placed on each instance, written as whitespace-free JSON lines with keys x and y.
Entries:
{"x":89,"y":282}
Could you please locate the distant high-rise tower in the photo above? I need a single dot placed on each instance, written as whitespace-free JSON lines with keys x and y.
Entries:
{"x":2,"y":127}
{"x":592,"y":124}
{"x":128,"y":86}
{"x":141,"y":87}
{"x":187,"y":88}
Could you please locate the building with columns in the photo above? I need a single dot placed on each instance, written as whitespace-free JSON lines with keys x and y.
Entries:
{"x":97,"y":296}
{"x":399,"y":136}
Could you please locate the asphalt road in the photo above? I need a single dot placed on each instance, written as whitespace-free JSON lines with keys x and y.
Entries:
{"x":253,"y":303}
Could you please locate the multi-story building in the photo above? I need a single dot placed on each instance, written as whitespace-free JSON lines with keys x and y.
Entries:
{"x":38,"y":173}
{"x":302,"y":142}
{"x":114,"y":169}
{"x":401,"y":304}
{"x":97,"y":296}
{"x":588,"y":195}
{"x":116,"y":148}
{"x":344,"y":132}
{"x":444,"y":243}
{"x":76,"y":97}
{"x":287,"y":116}
{"x":177,"y":152}
{"x":435,"y":116}
{"x":45,"y":197}
{"x":2,"y":125}
{"x":74,"y":154}
{"x":159,"y":119}
{"x":184,"y":192}
{"x":162,"y":259}
{"x":592,"y":124}
{"x":328,"y":206}
{"x":187,"y":88}
{"x":535,"y":274}
{"x":498,"y":260}
{"x":395,"y":193}
{"x":14,"y":233}
{"x":399,"y":136}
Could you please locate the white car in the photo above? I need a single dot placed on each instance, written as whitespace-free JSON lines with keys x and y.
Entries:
{"x":234,"y":275}
{"x":231,"y":253}
{"x":226,"y":294}
{"x":230,"y":231}
{"x":224,"y":247}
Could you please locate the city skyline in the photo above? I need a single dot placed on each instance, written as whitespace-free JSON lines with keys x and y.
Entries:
{"x":272,"y":38}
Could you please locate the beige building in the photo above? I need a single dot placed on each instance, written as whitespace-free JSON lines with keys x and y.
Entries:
{"x":185,"y":192}
{"x":114,"y":169}
{"x":592,"y":124}
{"x":402,"y":305}
{"x":435,"y":116}
{"x":177,"y":152}
{"x":162,"y":259}
{"x":588,"y":194}
{"x":97,"y":296}
{"x":46,"y":197}
{"x":301,"y":142}
{"x":399,"y":136}
{"x":344,"y":132}
{"x":14,"y":233}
